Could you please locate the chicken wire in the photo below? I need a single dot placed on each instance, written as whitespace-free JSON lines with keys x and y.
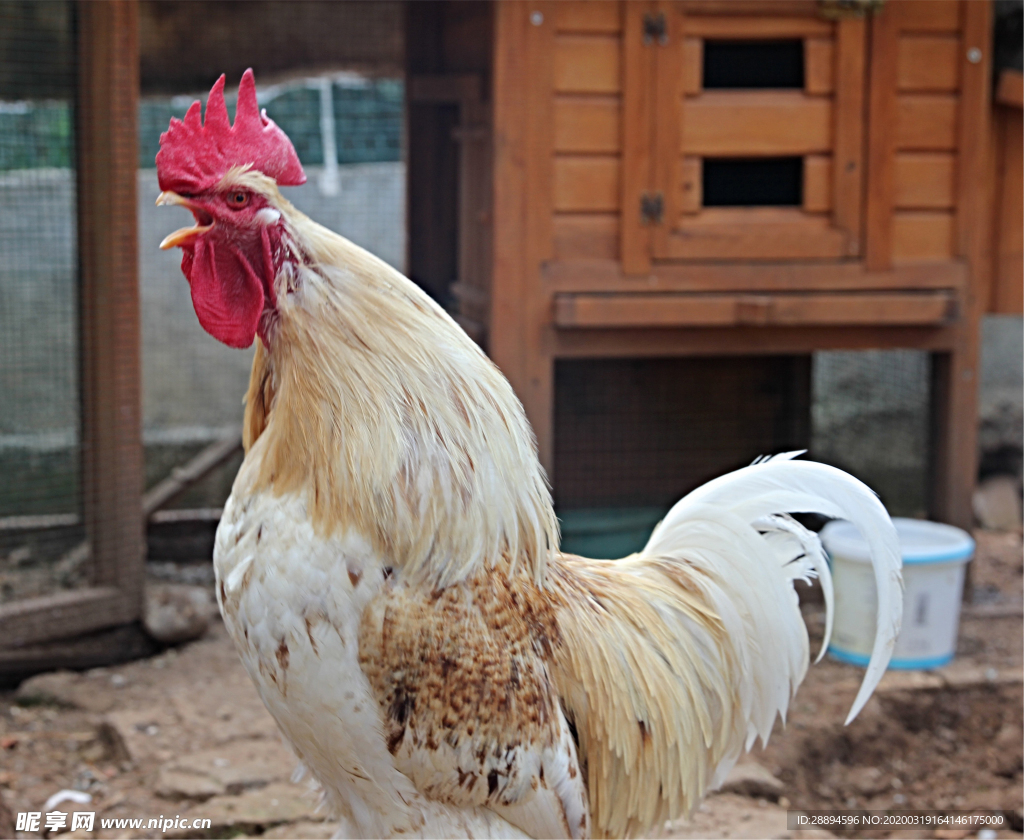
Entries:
{"x":632,"y":436}
{"x":870,"y":415}
{"x":40,"y":452}
{"x":640,"y":433}
{"x":330,"y":76}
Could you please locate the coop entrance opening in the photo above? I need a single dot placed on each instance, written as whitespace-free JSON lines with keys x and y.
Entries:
{"x":753,"y":182}
{"x":753,"y":64}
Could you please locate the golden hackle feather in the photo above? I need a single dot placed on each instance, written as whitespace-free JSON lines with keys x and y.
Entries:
{"x":388,"y":417}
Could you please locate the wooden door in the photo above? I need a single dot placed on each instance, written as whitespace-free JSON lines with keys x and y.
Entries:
{"x":743,"y":130}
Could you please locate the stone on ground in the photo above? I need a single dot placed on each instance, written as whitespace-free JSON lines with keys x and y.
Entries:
{"x":748,"y":778}
{"x":231,"y":768}
{"x":174,"y":613}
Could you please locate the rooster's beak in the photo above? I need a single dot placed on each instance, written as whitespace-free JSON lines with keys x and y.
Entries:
{"x":184,"y":235}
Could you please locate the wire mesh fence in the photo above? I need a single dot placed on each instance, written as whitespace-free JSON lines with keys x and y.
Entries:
{"x":870,"y":415}
{"x":40,"y":464}
{"x":340,"y":99}
{"x":632,"y":436}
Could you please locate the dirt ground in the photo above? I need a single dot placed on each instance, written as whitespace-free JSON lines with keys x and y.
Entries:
{"x":184,"y":735}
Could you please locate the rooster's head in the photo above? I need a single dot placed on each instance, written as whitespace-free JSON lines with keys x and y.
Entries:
{"x":227,"y":176}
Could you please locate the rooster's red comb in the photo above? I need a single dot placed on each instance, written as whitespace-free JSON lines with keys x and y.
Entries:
{"x":193,"y":157}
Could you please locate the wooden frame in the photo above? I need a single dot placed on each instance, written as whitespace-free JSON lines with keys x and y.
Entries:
{"x":670,"y":123}
{"x":1006,"y":295}
{"x":112,"y":477}
{"x":471,"y":288}
{"x":886,"y":251}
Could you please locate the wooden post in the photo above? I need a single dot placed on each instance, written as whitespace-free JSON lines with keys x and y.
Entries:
{"x":637,"y":136}
{"x":509,"y":213}
{"x":955,"y":374}
{"x":882,"y":111}
{"x":523,"y":149}
{"x":107,"y":164}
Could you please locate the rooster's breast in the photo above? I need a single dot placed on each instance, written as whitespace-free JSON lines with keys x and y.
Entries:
{"x":292,"y":601}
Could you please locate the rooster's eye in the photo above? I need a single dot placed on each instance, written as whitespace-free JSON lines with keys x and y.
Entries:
{"x":238,"y":200}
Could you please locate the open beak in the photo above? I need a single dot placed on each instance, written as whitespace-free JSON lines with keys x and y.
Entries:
{"x":184,"y":235}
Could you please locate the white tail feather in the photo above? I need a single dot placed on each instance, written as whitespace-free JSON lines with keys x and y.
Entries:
{"x":803,"y":557}
{"x":780,"y":485}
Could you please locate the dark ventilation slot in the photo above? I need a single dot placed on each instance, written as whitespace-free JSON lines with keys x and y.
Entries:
{"x":755,"y":182}
{"x":753,"y":64}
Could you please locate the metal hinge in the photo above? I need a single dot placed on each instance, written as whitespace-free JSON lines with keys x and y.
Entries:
{"x":655,"y":28}
{"x":652,"y":208}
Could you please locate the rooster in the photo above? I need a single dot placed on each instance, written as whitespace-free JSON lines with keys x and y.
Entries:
{"x":388,"y":566}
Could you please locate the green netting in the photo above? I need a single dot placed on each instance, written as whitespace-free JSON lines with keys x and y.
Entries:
{"x":367,"y":119}
{"x":35,"y":135}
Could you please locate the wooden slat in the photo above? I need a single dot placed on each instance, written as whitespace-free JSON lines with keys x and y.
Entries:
{"x":882,"y":111}
{"x":956,"y":376}
{"x":1010,"y":90}
{"x":922,"y":236}
{"x":606,"y":275}
{"x":928,"y":62}
{"x":586,"y":184}
{"x":749,"y":8}
{"x":693,"y":65}
{"x":640,"y":310}
{"x":848,"y":153}
{"x":926,"y":122}
{"x":581,"y":16}
{"x":972,"y":141}
{"x":587,"y":64}
{"x":756,"y":123}
{"x":925,"y":180}
{"x":189,"y":515}
{"x":122,"y":643}
{"x":744,"y":341}
{"x":638,"y":137}
{"x":39,"y":522}
{"x":510,"y":122}
{"x":692,"y":186}
{"x":183,"y":477}
{"x":668,"y":122}
{"x":61,"y":614}
{"x":927,"y":15}
{"x":585,"y":237}
{"x":1007,"y":296}
{"x":762,"y":26}
{"x":588,"y":124}
{"x":819,"y":65}
{"x":446,"y":87}
{"x":537,"y":88}
{"x":755,"y":233}
{"x":817,"y":183}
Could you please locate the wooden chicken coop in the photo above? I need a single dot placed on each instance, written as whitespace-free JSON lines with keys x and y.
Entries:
{"x":701,"y":179}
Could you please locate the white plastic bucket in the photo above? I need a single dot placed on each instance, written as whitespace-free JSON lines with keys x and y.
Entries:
{"x":934,"y":558}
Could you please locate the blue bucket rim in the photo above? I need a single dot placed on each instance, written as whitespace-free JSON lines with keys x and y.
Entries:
{"x":924,"y":664}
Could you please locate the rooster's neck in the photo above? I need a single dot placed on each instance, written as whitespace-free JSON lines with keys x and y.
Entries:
{"x":376,"y":407}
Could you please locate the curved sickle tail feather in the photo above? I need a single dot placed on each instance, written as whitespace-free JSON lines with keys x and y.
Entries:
{"x":677,"y":659}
